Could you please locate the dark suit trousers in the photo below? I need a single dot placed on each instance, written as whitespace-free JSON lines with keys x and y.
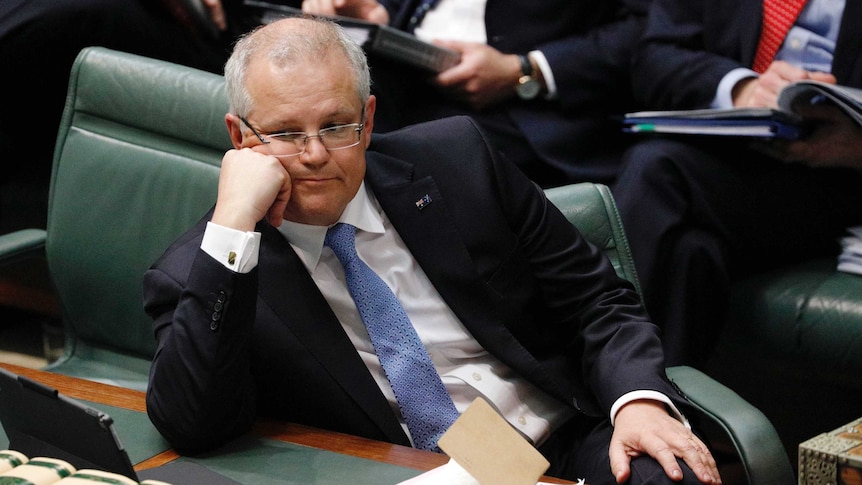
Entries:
{"x":699,"y":216}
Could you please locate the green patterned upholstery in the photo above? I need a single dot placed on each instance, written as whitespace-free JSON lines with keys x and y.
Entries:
{"x":792,"y":348}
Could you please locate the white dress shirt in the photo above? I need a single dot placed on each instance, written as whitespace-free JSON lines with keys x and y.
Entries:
{"x":464,"y":21}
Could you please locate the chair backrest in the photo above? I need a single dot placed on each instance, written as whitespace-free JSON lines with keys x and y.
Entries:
{"x":136,"y":163}
{"x":591,"y":208}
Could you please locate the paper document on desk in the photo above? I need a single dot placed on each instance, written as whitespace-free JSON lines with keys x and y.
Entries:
{"x":484,"y":450}
{"x":850,"y":259}
{"x":451,"y":474}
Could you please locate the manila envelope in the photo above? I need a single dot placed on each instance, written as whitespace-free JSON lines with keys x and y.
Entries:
{"x":485,"y":445}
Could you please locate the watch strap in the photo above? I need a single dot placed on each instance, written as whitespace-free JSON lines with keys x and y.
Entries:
{"x":526,"y":65}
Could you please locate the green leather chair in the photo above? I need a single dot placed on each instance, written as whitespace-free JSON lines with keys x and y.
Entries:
{"x":791,"y":347}
{"x":136,"y":164}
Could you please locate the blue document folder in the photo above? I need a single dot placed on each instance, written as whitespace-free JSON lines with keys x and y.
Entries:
{"x":754,"y":122}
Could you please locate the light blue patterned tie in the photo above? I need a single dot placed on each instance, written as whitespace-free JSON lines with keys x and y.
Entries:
{"x":425,"y":404}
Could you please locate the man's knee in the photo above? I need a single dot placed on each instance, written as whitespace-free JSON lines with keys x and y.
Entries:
{"x":645,"y":470}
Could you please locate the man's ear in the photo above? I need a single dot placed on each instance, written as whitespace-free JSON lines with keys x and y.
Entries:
{"x":370,"y":107}
{"x":234,"y":129}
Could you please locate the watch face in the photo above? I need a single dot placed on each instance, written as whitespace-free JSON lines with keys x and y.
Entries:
{"x":529,"y":89}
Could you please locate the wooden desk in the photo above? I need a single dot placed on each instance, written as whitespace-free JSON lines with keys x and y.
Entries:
{"x":292,"y":433}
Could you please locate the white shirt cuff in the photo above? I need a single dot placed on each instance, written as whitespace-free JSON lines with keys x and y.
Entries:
{"x":236,"y":250}
{"x":724,"y":94}
{"x":651,"y":395}
{"x":547,"y":74}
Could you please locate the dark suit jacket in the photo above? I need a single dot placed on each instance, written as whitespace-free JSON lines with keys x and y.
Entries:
{"x":588,"y":44}
{"x":526,"y":285}
{"x":690,"y":45}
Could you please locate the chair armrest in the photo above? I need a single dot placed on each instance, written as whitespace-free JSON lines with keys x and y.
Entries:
{"x":21,"y":245}
{"x":751,"y":433}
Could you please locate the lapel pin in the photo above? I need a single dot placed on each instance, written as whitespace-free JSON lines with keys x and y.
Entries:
{"x":423,"y":202}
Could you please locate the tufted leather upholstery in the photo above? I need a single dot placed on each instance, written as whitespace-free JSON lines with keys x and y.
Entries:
{"x":599,"y":221}
{"x":792,"y":347}
{"x":136,"y":164}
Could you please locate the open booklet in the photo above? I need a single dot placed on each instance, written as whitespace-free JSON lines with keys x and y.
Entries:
{"x":376,"y":39}
{"x":783,"y":122}
{"x":850,"y":259}
{"x":17,"y":468}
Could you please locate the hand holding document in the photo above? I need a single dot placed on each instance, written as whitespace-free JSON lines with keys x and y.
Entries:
{"x":782,"y":123}
{"x":374,"y":38}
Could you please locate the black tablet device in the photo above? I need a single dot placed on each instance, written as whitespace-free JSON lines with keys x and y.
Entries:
{"x":39,"y":421}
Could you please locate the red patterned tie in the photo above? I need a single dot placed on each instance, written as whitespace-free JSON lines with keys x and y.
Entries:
{"x":778,"y":17}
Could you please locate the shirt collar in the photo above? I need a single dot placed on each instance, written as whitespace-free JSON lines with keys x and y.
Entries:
{"x":362,"y":212}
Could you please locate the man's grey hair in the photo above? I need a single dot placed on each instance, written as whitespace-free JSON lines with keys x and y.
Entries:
{"x":291,"y":41}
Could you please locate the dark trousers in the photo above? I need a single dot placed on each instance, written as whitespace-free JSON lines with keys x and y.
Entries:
{"x":700,"y":216}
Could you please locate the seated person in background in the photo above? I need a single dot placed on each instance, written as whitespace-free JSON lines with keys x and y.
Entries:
{"x":577,"y":53}
{"x":702,"y":213}
{"x":254,"y":309}
{"x":39,"y":40}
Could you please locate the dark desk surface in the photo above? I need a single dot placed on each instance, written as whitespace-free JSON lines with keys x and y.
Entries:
{"x":133,"y":400}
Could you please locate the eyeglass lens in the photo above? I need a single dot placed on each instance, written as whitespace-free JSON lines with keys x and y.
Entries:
{"x":333,"y":138}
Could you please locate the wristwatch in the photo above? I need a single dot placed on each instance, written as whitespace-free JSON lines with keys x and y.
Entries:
{"x":528,"y":85}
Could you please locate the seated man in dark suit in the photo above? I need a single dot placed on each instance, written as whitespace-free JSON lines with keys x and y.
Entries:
{"x":699,"y":214}
{"x":264,"y":308}
{"x":543,"y":79}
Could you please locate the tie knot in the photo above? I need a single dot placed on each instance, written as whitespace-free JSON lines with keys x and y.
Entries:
{"x":341,"y":239}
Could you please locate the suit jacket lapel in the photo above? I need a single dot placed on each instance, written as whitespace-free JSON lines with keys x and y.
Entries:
{"x":750,"y":14}
{"x":442,"y":253}
{"x":284,"y":281}
{"x":846,"y":65}
{"x":429,"y":233}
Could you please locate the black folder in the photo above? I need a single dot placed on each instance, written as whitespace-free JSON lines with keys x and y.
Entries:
{"x":374,"y":38}
{"x":39,"y":421}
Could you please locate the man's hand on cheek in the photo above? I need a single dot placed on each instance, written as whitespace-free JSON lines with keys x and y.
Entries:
{"x":252,"y":186}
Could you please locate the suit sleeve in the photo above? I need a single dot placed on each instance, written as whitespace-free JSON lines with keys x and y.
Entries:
{"x":201,"y":393}
{"x":592,"y":69}
{"x":682,"y":56}
{"x":596,"y":316}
